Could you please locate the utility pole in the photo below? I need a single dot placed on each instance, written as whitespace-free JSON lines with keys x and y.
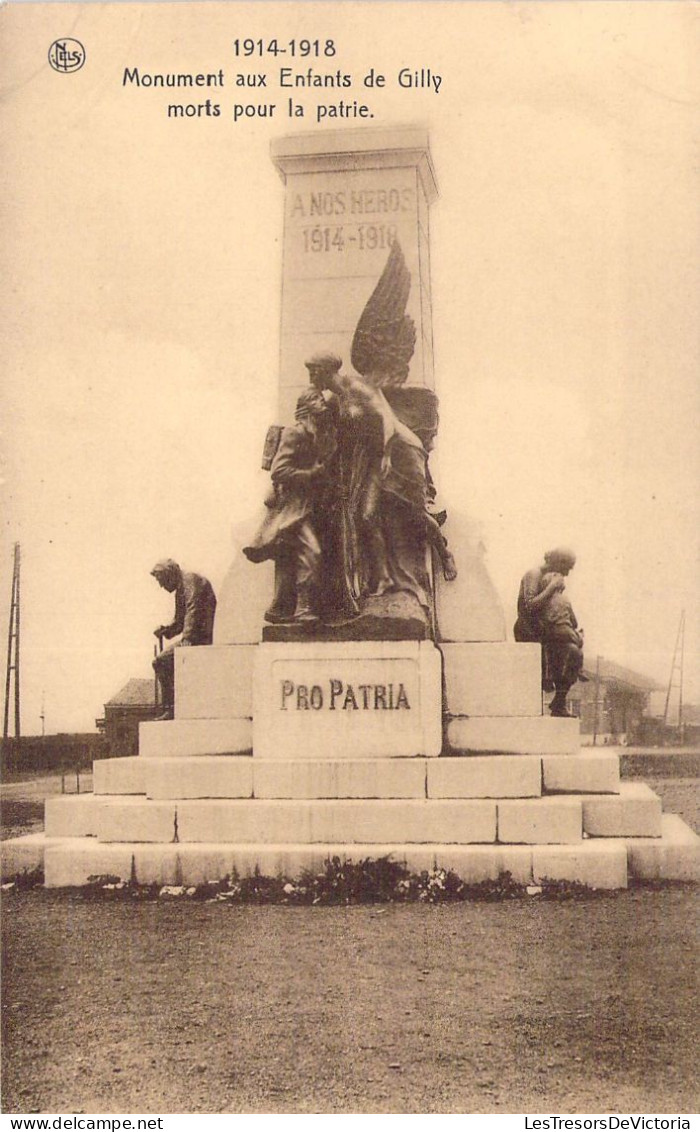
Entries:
{"x":13,"y":651}
{"x":677,"y":668}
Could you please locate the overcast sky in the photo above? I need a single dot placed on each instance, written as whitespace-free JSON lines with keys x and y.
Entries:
{"x":141,"y":297}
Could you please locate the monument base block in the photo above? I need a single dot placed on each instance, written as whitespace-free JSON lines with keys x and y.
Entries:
{"x":598,"y":863}
{"x":181,"y":737}
{"x":21,"y":855}
{"x":673,"y":856}
{"x":601,"y":866}
{"x":323,"y":749}
{"x":634,"y":812}
{"x":540,"y":821}
{"x":590,"y":863}
{"x":358,"y":699}
{"x":584,"y":773}
{"x":119,"y":776}
{"x":531,"y":735}
{"x":496,"y":679}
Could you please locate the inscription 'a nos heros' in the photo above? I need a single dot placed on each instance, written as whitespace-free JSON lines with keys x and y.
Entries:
{"x":354,"y":202}
{"x":338,"y":696}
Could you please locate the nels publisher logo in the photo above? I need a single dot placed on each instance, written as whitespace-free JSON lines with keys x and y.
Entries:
{"x":66,"y":55}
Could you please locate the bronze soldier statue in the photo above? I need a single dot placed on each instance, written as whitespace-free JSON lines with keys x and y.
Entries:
{"x":563,"y":641}
{"x":544,"y":615}
{"x":289,"y":532}
{"x":195,"y":606}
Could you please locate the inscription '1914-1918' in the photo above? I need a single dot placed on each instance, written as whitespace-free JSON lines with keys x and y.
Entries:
{"x":344,"y":697}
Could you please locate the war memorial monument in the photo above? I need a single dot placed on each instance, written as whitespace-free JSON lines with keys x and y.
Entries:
{"x":360,"y":698}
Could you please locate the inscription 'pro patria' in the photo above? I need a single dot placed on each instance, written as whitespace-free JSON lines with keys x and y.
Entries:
{"x":338,"y":695}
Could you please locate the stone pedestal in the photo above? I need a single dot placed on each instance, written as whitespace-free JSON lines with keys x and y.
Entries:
{"x":492,"y":680}
{"x":215,"y":682}
{"x":346,"y":783}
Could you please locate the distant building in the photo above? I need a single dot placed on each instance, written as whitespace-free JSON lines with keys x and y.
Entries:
{"x":691,"y":724}
{"x":613,"y":706}
{"x":662,"y":729}
{"x":133,"y":704}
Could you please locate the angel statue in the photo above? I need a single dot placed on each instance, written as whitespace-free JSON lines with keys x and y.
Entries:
{"x":369,"y":500}
{"x":385,"y":435}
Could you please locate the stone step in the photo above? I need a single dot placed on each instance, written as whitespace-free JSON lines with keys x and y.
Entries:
{"x":587,"y":772}
{"x":466,"y":776}
{"x":673,"y":856}
{"x":363,"y":735}
{"x":363,"y":778}
{"x":597,"y":864}
{"x":24,"y":854}
{"x":281,"y":820}
{"x":485,"y":776}
{"x":74,"y":815}
{"x":545,"y":820}
{"x":543,"y":735}
{"x":240,"y":776}
{"x":203,"y":776}
{"x":600,"y":863}
{"x":78,"y":815}
{"x":634,"y":812}
{"x":119,"y":776}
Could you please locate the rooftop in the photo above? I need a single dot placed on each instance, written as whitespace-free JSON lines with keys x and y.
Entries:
{"x":135,"y":693}
{"x":625,"y":677}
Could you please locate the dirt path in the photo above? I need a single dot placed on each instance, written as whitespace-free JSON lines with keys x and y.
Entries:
{"x":528,"y":1005}
{"x":582,"y":1006}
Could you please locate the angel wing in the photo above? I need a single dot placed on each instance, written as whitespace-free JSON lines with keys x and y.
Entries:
{"x":385,"y":336}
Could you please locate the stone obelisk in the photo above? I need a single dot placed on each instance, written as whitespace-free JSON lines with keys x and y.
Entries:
{"x":349,"y":195}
